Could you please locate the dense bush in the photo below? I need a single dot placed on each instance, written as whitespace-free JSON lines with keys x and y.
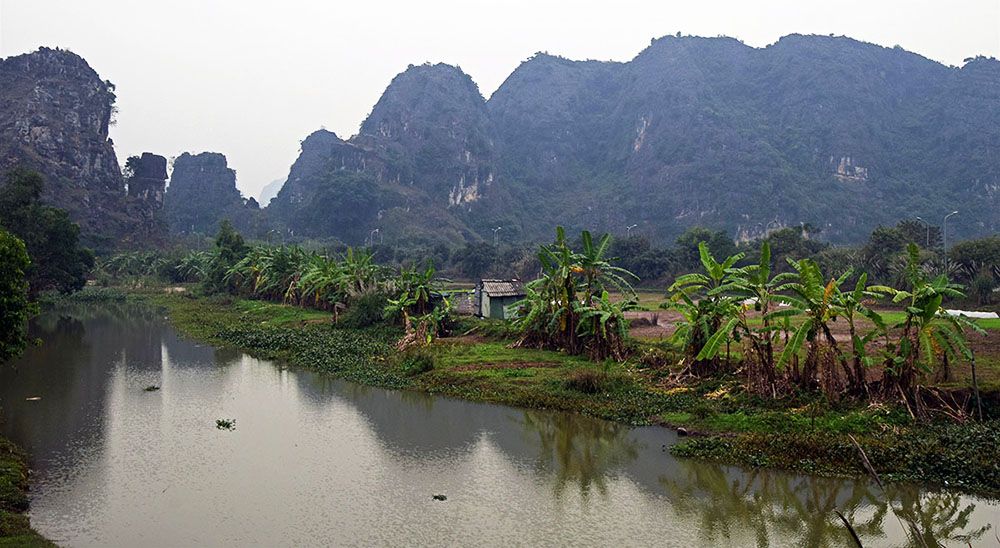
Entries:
{"x":14,"y":305}
{"x":52,"y":240}
{"x":367,"y":310}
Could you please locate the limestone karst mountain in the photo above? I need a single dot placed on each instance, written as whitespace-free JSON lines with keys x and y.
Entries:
{"x":841,"y":134}
{"x":831,"y":131}
{"x":55,"y":112}
{"x":202,"y":192}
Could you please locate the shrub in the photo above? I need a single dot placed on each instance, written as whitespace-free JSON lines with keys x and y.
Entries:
{"x":702,"y":410}
{"x":416,"y":362}
{"x":587,"y":381}
{"x":14,"y":305}
{"x":367,"y":311}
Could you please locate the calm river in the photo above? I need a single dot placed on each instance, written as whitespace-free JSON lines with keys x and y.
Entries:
{"x":318,"y":461}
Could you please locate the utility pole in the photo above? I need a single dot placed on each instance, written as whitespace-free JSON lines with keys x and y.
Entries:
{"x":944,"y":235}
{"x":928,"y":226}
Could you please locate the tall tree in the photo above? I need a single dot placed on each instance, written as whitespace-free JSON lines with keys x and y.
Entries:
{"x":52,"y":240}
{"x":230,"y":248}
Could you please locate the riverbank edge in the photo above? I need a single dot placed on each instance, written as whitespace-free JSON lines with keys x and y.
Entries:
{"x":15,"y":525}
{"x":919,"y":454}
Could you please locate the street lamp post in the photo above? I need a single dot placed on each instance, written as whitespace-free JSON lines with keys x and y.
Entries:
{"x":371,"y":236}
{"x":944,"y":235}
{"x":928,"y":226}
{"x":496,"y":236}
{"x":628,"y":230}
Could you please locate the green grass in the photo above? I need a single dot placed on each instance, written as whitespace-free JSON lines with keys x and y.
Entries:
{"x":15,"y":529}
{"x":279,"y":314}
{"x":494,"y":352}
{"x":649,"y":299}
{"x":807,"y":418}
{"x":893,"y":317}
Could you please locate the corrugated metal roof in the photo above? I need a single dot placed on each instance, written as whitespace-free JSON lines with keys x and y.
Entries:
{"x":503,"y":288}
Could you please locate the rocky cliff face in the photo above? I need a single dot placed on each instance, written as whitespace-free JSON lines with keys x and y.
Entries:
{"x":432,"y":122}
{"x":202,"y":192}
{"x":54,"y":117}
{"x":423,"y":161}
{"x":146,"y":183}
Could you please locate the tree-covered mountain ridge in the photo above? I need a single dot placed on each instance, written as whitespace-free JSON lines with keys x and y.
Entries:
{"x":830,"y":131}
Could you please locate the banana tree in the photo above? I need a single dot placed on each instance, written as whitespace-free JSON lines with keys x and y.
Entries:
{"x":322,"y":282}
{"x":193,"y":266}
{"x":603,"y":326}
{"x":817,"y":302}
{"x":703,"y":311}
{"x":855,"y":305}
{"x":549,"y":319}
{"x":361,"y":275}
{"x":927,"y":330}
{"x":566,"y":307}
{"x":755,"y":290}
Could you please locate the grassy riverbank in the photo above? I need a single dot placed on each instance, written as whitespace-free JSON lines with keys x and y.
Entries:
{"x":797,"y":433}
{"x":15,"y":529}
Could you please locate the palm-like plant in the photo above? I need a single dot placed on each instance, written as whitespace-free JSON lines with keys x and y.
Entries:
{"x":361,"y":276}
{"x":703,"y":309}
{"x":568,"y":307}
{"x":926,"y":329}
{"x":602,"y":323}
{"x":819,"y":305}
{"x":549,"y":319}
{"x":322,"y":282}
{"x":754,"y":289}
{"x":193,"y":266}
{"x":597,"y":271}
{"x":854,"y":305}
{"x":418,"y":285}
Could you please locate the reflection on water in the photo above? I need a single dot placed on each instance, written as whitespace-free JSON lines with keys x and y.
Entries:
{"x":316,"y":460}
{"x":784,"y":506}
{"x":578,"y":451}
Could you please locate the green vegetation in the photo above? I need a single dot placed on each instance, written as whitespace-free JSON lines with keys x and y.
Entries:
{"x":569,"y":307}
{"x":490,"y":369}
{"x":958,"y":456}
{"x":796,"y":311}
{"x":14,"y":527}
{"x":52,"y":240}
{"x":14,"y":305}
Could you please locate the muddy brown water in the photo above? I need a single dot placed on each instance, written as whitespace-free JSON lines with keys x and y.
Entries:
{"x":315,"y":461}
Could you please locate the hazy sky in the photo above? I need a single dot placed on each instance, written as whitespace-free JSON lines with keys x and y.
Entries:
{"x":251,"y":79}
